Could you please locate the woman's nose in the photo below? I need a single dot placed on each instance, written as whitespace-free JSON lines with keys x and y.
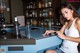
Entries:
{"x":65,"y":15}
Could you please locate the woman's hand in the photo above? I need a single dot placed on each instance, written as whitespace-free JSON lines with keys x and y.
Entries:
{"x":61,"y":35}
{"x":48,"y":32}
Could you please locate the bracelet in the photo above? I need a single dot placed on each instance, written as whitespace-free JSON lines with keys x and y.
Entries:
{"x":55,"y":33}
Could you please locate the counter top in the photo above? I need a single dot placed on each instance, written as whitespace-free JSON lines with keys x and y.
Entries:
{"x":36,"y":34}
{"x":12,"y":40}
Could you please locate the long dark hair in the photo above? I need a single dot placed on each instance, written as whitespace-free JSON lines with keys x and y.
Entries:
{"x":69,"y":6}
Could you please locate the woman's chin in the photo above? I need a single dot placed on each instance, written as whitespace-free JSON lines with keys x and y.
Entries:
{"x":67,"y":20}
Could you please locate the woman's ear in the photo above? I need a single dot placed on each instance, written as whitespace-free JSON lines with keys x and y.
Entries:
{"x":72,"y":11}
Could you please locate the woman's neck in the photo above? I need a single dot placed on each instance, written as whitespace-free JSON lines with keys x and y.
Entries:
{"x":71,"y":20}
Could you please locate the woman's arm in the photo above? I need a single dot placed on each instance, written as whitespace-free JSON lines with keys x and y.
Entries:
{"x":63,"y":28}
{"x":52,"y":31}
{"x":74,"y":39}
{"x":78,"y":24}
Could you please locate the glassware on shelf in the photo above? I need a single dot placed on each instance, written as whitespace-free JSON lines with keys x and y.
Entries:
{"x":28,"y":21}
{"x":42,"y":23}
{"x":50,"y":25}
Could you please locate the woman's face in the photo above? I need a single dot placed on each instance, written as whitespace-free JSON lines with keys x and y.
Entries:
{"x":67,"y":13}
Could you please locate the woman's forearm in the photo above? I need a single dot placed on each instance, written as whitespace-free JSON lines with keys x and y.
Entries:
{"x":74,"y":39}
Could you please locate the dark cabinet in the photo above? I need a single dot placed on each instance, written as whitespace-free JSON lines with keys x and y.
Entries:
{"x":41,"y":12}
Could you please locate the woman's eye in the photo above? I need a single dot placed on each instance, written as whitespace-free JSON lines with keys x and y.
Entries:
{"x":66,"y":12}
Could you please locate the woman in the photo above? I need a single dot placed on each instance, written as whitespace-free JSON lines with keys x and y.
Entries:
{"x":69,"y":32}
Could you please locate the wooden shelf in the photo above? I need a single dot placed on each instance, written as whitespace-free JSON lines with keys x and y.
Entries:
{"x":41,"y":9}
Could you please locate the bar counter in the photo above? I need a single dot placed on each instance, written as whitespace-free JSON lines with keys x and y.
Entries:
{"x":36,"y":44}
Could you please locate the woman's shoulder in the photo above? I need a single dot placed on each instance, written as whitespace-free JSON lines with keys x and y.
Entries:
{"x":78,"y":21}
{"x":78,"y":24}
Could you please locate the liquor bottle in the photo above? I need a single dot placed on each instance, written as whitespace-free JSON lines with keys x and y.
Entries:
{"x":50,"y":3}
{"x":46,"y":3}
{"x":50,"y":13}
{"x":17,"y":31}
{"x":39,"y":5}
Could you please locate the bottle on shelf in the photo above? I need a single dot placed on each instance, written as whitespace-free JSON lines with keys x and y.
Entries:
{"x":39,"y":10}
{"x":27,"y":14}
{"x":49,"y":23}
{"x":46,"y":3}
{"x":39,"y":5}
{"x":49,"y":3}
{"x":43,"y":5}
{"x":50,"y":12}
{"x":45,"y":13}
